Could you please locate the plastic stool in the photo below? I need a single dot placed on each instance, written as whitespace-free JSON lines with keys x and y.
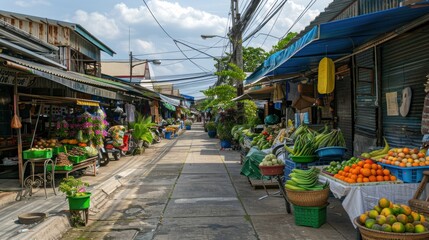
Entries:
{"x":29,"y":181}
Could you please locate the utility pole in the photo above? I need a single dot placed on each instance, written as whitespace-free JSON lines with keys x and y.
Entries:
{"x":131,"y":66}
{"x":236,"y":33}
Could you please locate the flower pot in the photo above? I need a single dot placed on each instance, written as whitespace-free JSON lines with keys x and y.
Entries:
{"x":225,"y":144}
{"x":167,"y":135}
{"x":188,"y":127}
{"x":79,"y":202}
{"x":212,"y":133}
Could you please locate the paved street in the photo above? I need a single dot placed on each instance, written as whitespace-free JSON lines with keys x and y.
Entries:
{"x":194,"y":191}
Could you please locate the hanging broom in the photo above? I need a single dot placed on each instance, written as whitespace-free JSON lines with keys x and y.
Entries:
{"x":15,"y":123}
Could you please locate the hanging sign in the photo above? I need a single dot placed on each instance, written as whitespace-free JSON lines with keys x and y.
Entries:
{"x":326,"y":77}
{"x":8,"y":77}
{"x":392,"y":103}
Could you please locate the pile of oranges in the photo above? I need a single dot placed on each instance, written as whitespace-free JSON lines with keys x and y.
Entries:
{"x":364,"y":171}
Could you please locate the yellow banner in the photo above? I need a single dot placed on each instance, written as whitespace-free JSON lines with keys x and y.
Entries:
{"x":87,"y":103}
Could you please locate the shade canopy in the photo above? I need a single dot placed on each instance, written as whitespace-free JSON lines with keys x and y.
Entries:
{"x":334,"y":40}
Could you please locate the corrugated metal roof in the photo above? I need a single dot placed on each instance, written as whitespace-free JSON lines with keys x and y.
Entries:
{"x":64,"y":74}
{"x":74,"y":26}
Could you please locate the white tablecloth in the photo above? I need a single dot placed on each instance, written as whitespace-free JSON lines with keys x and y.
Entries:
{"x":359,"y":199}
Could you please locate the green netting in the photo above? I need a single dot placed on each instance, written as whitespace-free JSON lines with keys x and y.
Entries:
{"x":250,"y":166}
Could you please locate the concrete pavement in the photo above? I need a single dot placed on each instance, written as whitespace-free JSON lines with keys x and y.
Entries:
{"x":195,"y":191}
{"x":184,"y":188}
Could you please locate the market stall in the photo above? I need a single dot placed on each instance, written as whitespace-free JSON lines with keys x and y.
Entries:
{"x":64,"y":129}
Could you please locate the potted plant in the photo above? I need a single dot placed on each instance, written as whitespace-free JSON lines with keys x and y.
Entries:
{"x":141,"y":132}
{"x":188,"y":124}
{"x":211,"y":129}
{"x":224,"y":133}
{"x":78,"y":197}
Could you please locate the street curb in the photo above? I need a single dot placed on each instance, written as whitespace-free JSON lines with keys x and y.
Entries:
{"x":7,"y":198}
{"x":55,"y":226}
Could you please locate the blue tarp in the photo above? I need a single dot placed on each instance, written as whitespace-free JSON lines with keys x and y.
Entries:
{"x":335,"y":39}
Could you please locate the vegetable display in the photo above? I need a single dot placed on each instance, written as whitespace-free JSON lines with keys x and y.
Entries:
{"x":305,"y":180}
{"x":271,"y":160}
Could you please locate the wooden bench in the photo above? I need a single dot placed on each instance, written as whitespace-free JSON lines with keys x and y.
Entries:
{"x":92,"y":161}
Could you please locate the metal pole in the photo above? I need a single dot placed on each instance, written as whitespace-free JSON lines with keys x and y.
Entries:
{"x":131,"y":66}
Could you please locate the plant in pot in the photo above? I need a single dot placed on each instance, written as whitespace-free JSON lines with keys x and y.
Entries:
{"x":78,"y":198}
{"x":141,"y":132}
{"x":227,"y":120}
{"x":188,"y":124}
{"x":211,"y":129}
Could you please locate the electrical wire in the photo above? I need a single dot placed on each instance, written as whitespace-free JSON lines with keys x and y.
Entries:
{"x":309,"y":5}
{"x":201,"y":49}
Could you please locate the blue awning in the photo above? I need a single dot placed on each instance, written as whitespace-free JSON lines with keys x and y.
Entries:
{"x":335,"y":39}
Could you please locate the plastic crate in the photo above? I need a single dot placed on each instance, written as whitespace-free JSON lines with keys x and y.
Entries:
{"x":406,"y":174}
{"x":57,"y":150}
{"x":29,"y":154}
{"x":77,"y":159}
{"x":60,"y":168}
{"x":309,"y":216}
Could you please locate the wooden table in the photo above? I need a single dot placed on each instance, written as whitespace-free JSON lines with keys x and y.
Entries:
{"x":92,"y":161}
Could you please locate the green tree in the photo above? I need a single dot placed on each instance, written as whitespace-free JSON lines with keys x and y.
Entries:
{"x":219,"y":96}
{"x":283,"y":43}
{"x":253,"y":57}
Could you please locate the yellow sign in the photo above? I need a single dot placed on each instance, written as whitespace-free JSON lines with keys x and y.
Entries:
{"x":87,"y":103}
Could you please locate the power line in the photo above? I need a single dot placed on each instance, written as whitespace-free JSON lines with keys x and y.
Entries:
{"x":309,"y":5}
{"x":205,"y":48}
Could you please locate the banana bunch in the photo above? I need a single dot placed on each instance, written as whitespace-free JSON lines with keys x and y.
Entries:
{"x":304,"y":145}
{"x":329,"y":139}
{"x":305,"y":180}
{"x":377,"y":154}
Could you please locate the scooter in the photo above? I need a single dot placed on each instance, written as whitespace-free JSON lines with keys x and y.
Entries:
{"x":107,"y":150}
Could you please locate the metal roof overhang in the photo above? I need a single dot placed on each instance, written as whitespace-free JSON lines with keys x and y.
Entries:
{"x":72,"y":80}
{"x":260,"y":94}
{"x":335,"y":40}
{"x":172,"y":101}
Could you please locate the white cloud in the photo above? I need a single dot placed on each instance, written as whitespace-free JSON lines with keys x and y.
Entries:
{"x":98,"y":24}
{"x":32,"y":3}
{"x":172,"y":14}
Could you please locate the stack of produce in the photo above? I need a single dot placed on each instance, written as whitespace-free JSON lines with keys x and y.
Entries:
{"x":263,"y":141}
{"x":335,"y":166}
{"x":329,"y":139}
{"x":62,"y":160}
{"x":304,"y":145}
{"x":405,"y":157}
{"x":271,"y":160}
{"x":389,"y":217}
{"x":305,"y":180}
{"x":76,"y":151}
{"x":376,"y":154}
{"x":364,"y":171}
{"x":70,"y":141}
{"x":49,"y":143}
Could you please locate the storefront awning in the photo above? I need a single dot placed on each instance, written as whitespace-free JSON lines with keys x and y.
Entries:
{"x":172,"y":101}
{"x":335,"y":40}
{"x":169,"y":106}
{"x":259,"y":94}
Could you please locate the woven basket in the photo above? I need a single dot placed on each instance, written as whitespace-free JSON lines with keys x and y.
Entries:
{"x":272,"y":170}
{"x":370,"y":234}
{"x":316,"y":198}
{"x":419,"y":206}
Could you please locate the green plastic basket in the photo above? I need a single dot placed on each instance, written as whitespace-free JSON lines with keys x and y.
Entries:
{"x":310,"y":216}
{"x":77,"y":159}
{"x":60,"y":168}
{"x":57,"y":150}
{"x":29,"y":154}
{"x":80,"y":202}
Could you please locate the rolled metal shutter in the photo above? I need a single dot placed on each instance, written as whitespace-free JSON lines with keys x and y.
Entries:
{"x":343,"y":91}
{"x":405,"y":63}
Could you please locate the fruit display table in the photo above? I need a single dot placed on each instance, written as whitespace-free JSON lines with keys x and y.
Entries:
{"x":92,"y":161}
{"x":359,"y":198}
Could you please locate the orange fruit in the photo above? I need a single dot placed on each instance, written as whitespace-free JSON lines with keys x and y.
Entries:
{"x":379,"y":167}
{"x":352,"y":181}
{"x":359,"y":180}
{"x":361,"y":163}
{"x":353,"y":176}
{"x":341,"y":172}
{"x":406,"y":150}
{"x":365,"y":179}
{"x":380,"y":178}
{"x":386,"y":178}
{"x":372,"y":179}
{"x":386,"y":172}
{"x":403,"y":164}
{"x":392,"y":178}
{"x":354,"y":165}
{"x":347,"y":169}
{"x":373,"y":172}
{"x":360,"y":176}
{"x":379,"y":172}
{"x":369,"y":161}
{"x":374,"y":166}
{"x":367,"y":166}
{"x":414,"y":164}
{"x":388,"y":162}
{"x":366,"y":172}
{"x":422,"y":164}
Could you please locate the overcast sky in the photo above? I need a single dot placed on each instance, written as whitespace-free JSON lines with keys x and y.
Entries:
{"x":128,"y":25}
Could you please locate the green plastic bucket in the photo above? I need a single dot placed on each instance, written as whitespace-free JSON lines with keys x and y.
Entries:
{"x":79,"y":202}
